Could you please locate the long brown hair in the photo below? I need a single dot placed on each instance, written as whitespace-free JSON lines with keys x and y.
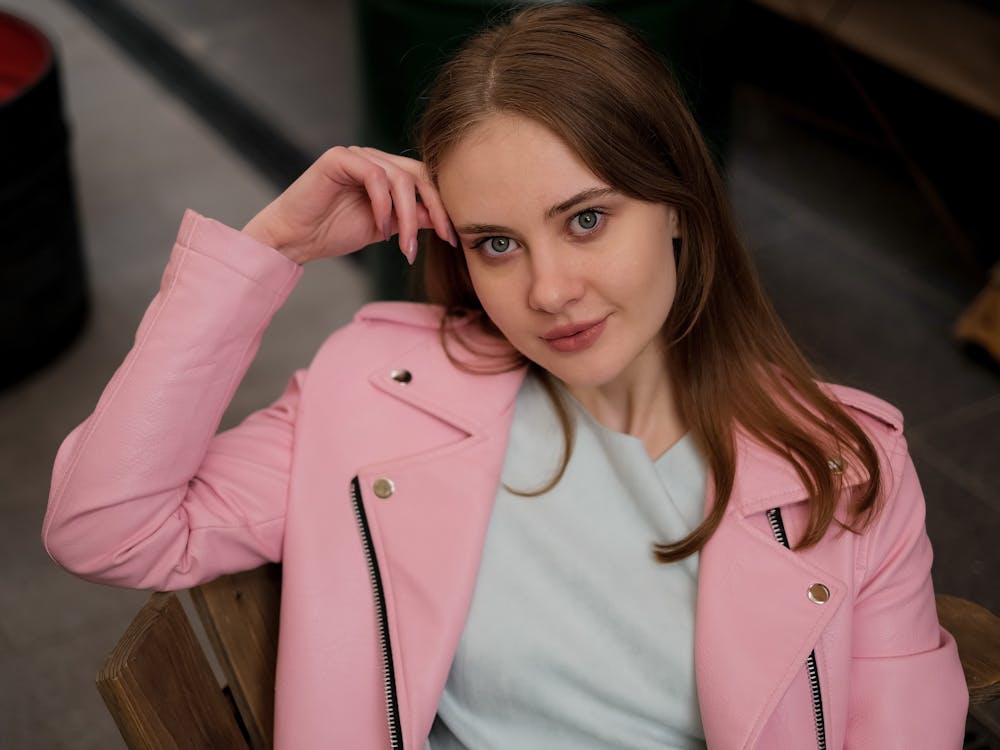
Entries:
{"x":597,"y":85}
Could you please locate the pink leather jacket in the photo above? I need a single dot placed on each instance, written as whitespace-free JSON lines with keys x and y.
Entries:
{"x":375,"y":490}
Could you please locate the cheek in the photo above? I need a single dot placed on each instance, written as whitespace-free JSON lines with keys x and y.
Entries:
{"x":646,"y":263}
{"x":492,"y":294}
{"x":653,"y":280}
{"x":666,"y":279}
{"x":479,"y":282}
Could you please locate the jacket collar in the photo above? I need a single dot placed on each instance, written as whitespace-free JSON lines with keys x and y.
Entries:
{"x":764,"y":480}
{"x":424,"y":376}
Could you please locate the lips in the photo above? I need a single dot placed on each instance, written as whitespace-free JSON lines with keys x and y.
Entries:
{"x":574,"y":336}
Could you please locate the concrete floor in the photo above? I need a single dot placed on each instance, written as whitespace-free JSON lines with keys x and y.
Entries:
{"x":849,"y":251}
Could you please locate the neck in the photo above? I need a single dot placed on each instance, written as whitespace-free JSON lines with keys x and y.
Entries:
{"x":640,"y":402}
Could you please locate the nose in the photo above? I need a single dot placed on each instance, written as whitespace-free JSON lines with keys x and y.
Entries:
{"x":555,"y":280}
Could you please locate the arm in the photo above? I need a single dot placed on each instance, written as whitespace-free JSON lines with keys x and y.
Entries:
{"x":907,"y":685}
{"x":143,"y":494}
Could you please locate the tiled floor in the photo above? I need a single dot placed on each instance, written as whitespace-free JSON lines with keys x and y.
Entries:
{"x":848,"y":249}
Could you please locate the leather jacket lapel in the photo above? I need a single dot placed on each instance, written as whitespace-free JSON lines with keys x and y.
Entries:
{"x":755,"y":622}
{"x":425,"y":378}
{"x":428,"y":533}
{"x":755,"y":627}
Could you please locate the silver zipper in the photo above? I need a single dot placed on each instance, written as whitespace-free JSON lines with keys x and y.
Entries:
{"x":778,"y":527}
{"x":391,"y":704}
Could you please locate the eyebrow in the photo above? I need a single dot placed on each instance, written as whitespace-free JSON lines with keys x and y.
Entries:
{"x":584,"y":195}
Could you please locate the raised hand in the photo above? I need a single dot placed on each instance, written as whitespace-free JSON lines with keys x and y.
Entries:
{"x":350,"y":198}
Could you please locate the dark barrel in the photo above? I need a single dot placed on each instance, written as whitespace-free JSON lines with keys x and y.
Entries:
{"x":43,"y":293}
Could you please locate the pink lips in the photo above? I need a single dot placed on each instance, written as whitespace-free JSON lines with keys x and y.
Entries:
{"x":574,"y":337}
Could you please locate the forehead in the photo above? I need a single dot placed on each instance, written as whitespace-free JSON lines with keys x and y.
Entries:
{"x":509,"y":165}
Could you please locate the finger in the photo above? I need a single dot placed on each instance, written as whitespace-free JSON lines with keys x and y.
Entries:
{"x":404,"y":215}
{"x":372,"y":176}
{"x":424,"y":220}
{"x":427,"y":192}
{"x":431,"y":200}
{"x":425,"y":188}
{"x":404,"y":198}
{"x":404,"y":203}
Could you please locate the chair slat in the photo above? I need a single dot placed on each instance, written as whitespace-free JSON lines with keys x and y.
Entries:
{"x":240,"y":615}
{"x":977,"y":631}
{"x":159,"y":686}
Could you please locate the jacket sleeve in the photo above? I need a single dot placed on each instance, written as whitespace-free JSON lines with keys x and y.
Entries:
{"x":907,"y":689}
{"x":144,"y":493}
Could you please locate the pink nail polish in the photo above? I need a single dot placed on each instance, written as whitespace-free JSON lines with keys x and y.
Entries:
{"x":411,"y":251}
{"x":387,"y":230}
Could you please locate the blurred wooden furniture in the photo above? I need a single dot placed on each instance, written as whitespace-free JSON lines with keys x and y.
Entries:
{"x":947,"y":46}
{"x":162,"y":693}
{"x":979,"y":323}
{"x":158,"y":683}
{"x":950,"y":46}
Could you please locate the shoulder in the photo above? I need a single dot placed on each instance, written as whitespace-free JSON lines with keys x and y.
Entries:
{"x":883,"y":424}
{"x":401,"y":314}
{"x":881,"y":421}
{"x":381,"y":328}
{"x":389,"y":344}
{"x":387,"y":328}
{"x":395,"y":332}
{"x":871,"y":411}
{"x":765,"y":475}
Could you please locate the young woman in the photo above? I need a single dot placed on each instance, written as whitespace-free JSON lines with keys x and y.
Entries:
{"x":593,"y":497}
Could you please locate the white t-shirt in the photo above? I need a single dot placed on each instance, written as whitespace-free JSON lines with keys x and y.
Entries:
{"x":576,"y":636}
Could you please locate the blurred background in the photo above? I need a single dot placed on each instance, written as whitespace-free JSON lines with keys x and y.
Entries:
{"x":858,"y":139}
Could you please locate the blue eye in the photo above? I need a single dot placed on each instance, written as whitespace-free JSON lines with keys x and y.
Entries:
{"x":494,"y":247}
{"x":586,"y":221}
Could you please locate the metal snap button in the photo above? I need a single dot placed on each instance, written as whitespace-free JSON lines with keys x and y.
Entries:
{"x":401,"y":376}
{"x":819,"y":594}
{"x":383,"y":488}
{"x":836,"y":465}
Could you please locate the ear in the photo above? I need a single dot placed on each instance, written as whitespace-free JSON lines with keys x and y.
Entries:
{"x":674,"y":221}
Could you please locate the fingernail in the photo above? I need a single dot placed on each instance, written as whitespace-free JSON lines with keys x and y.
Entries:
{"x":454,"y":239}
{"x":411,"y":250}
{"x":387,"y":230}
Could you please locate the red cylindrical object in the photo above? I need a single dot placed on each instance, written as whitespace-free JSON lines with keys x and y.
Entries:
{"x":25,"y":55}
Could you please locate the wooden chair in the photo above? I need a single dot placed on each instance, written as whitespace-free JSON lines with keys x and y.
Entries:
{"x":162,"y":693}
{"x":158,"y":683}
{"x":977,"y":632}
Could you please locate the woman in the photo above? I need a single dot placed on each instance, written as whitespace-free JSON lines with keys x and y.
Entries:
{"x":594,"y":497}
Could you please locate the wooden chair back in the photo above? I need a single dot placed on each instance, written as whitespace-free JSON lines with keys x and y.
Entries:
{"x":977,"y":632}
{"x":158,"y":683}
{"x":162,"y":693}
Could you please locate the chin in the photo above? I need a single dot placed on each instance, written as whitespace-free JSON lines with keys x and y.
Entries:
{"x":579,"y":374}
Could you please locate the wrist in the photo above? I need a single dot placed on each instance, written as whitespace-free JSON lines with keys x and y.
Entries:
{"x":258,"y":230}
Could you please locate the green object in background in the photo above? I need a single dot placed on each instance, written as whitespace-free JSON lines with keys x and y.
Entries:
{"x":404,"y":43}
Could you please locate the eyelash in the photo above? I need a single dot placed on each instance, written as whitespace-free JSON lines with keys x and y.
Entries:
{"x":600,"y":219}
{"x":600,"y":213}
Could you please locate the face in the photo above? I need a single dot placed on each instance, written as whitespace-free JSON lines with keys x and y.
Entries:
{"x":578,"y":277}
